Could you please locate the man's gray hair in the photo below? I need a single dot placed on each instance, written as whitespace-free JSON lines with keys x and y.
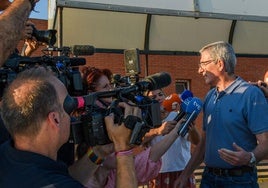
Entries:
{"x":223,"y":51}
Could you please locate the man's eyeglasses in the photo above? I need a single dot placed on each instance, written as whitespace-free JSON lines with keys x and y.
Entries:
{"x":203,"y":64}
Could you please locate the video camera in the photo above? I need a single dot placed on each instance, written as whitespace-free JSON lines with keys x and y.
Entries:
{"x":91,"y":128}
{"x":65,"y":67}
{"x":45,"y":36}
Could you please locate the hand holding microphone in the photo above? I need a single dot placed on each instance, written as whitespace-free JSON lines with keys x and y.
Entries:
{"x":193,"y":108}
{"x":185,"y":97}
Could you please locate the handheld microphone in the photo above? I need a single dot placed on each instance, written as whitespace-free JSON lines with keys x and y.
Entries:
{"x":186,"y":96}
{"x":82,"y":50}
{"x":192,"y":110}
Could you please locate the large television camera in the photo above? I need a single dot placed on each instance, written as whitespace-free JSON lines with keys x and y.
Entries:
{"x":91,"y":127}
{"x":65,"y":66}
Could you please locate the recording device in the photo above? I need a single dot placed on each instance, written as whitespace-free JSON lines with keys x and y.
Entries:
{"x":45,"y":36}
{"x":152,"y":82}
{"x":95,"y":133}
{"x":186,"y":94}
{"x":82,"y":50}
{"x":65,"y":66}
{"x":120,"y":81}
{"x":192,"y":110}
{"x":185,"y":97}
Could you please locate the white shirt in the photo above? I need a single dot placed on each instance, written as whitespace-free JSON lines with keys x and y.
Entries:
{"x":179,"y":153}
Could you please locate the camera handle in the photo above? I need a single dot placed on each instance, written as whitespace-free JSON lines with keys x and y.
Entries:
{"x":117,"y":111}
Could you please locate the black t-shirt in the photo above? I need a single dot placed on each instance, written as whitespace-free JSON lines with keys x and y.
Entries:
{"x":26,"y":169}
{"x":65,"y":153}
{"x":4,"y":135}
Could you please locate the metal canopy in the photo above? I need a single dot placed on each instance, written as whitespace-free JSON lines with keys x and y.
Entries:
{"x":161,"y":26}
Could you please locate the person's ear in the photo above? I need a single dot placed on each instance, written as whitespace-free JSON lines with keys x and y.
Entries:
{"x":54,"y":118}
{"x":220,"y":64}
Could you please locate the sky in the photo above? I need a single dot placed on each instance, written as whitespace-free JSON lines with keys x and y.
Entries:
{"x":42,"y":9}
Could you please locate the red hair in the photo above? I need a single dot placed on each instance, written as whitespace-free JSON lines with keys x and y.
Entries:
{"x":91,"y":75}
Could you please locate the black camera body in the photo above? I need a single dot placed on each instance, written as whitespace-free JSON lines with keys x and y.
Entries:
{"x":45,"y":36}
{"x":92,"y":129}
{"x":65,"y":67}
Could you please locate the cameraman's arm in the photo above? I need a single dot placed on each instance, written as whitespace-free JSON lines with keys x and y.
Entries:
{"x":12,"y":22}
{"x":30,"y":44}
{"x":120,"y":135}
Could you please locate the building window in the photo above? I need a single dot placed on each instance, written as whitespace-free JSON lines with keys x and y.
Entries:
{"x":181,"y":85}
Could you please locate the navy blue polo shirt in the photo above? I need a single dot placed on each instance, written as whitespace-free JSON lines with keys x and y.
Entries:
{"x":26,"y":169}
{"x":235,"y":115}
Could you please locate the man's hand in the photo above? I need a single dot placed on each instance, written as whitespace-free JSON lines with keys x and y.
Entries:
{"x":118,"y":134}
{"x":238,"y":157}
{"x":30,"y":47}
{"x":166,"y":127}
{"x":28,"y":30}
{"x":181,"y":181}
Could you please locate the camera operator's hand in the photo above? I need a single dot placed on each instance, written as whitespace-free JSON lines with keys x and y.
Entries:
{"x":118,"y":134}
{"x":28,"y":30}
{"x":130,"y":110}
{"x":30,"y":46}
{"x":124,"y":135}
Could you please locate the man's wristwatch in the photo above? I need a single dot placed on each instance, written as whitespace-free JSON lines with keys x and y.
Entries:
{"x":252,"y":161}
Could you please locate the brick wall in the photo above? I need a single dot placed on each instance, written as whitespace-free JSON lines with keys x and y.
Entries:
{"x":180,"y":67}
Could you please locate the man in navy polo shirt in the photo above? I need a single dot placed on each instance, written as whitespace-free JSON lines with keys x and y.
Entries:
{"x":235,"y":124}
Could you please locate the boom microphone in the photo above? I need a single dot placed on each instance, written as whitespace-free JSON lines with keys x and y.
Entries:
{"x":78,"y":50}
{"x":192,"y":110}
{"x":158,"y":80}
{"x":153,"y":82}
